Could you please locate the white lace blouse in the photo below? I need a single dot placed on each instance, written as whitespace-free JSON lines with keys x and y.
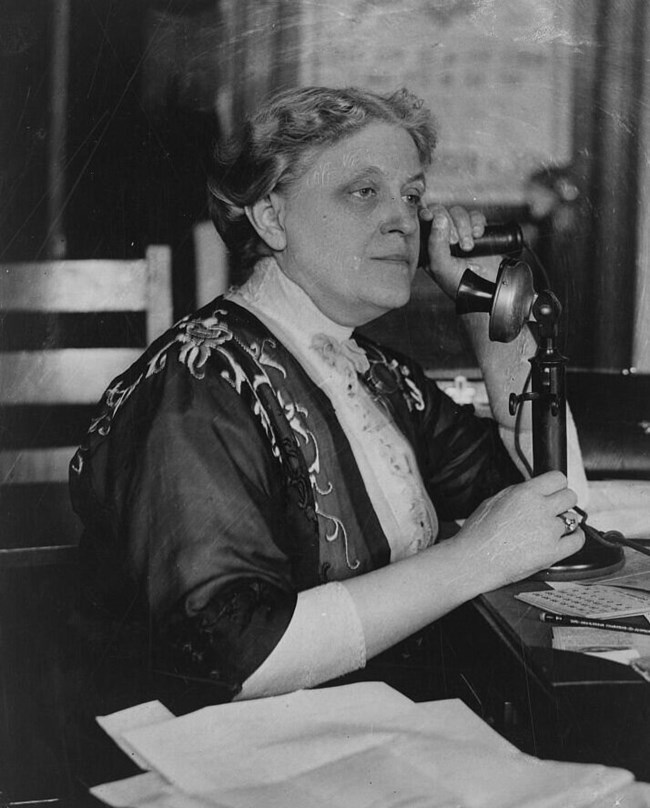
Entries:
{"x":332,"y":360}
{"x":325,"y":636}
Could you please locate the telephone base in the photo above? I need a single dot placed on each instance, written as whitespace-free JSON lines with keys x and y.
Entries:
{"x":593,"y":560}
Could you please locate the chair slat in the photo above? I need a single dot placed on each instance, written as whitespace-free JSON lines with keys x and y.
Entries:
{"x":35,"y":465}
{"x":75,"y":286}
{"x":69,"y":376}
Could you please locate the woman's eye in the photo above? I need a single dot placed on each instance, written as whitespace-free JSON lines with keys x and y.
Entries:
{"x":414,"y":199}
{"x":364,"y":193}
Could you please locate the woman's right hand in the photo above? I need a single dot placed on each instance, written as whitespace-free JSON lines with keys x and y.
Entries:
{"x":518,"y":532}
{"x":455,"y":226}
{"x":508,"y":537}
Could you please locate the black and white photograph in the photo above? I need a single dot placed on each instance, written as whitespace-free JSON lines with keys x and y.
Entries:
{"x":325,"y":403}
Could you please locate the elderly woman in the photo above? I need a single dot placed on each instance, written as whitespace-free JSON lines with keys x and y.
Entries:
{"x":265,"y":488}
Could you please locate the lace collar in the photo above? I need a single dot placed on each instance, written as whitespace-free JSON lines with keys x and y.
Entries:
{"x":271,"y":293}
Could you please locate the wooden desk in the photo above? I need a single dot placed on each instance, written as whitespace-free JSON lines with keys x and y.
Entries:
{"x":553,"y":704}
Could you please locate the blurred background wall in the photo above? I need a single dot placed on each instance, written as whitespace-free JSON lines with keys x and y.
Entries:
{"x":109,"y":108}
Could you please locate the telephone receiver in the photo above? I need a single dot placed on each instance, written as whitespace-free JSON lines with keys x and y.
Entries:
{"x":509,"y":300}
{"x":497,"y":239}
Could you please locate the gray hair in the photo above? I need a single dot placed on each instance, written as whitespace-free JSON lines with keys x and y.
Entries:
{"x":278,"y":141}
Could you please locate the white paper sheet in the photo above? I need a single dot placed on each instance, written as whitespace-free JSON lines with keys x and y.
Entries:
{"x":148,"y":790}
{"x":356,"y":747}
{"x":294,"y":729}
{"x":142,"y":715}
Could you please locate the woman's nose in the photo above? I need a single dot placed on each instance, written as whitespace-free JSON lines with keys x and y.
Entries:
{"x":399,"y":217}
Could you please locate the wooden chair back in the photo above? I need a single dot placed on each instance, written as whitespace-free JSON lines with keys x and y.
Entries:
{"x":66,"y":329}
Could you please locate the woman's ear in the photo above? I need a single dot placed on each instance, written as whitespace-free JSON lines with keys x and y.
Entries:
{"x":267,"y":217}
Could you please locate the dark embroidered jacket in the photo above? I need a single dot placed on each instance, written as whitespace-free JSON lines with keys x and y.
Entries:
{"x":216,"y":483}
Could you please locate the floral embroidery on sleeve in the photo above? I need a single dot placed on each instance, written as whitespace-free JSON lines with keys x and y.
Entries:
{"x":198,"y":339}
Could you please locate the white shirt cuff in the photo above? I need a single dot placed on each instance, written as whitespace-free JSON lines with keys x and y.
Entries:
{"x":324,"y":640}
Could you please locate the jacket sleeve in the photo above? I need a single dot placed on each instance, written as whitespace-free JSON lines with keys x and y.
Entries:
{"x":184,"y":501}
{"x":463,"y":460}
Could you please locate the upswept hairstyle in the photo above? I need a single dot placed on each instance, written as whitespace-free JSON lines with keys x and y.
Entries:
{"x":278,"y":142}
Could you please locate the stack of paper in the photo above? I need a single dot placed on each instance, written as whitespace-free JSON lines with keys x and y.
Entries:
{"x":357,"y":746}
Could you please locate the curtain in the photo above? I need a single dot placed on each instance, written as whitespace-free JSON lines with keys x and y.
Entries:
{"x":611,"y":45}
{"x":260,"y":54}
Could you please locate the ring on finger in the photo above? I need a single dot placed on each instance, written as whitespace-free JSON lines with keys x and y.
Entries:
{"x":570,"y":522}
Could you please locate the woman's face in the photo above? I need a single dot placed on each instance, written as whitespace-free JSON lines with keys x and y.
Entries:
{"x":351,"y":224}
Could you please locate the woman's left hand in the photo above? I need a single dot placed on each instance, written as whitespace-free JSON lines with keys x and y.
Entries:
{"x":455,"y":225}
